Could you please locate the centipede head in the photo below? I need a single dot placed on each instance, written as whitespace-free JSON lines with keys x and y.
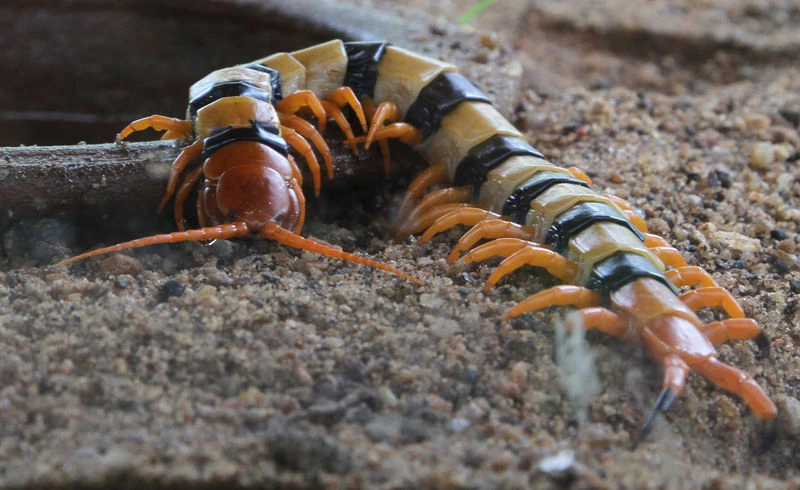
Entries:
{"x":257,"y":195}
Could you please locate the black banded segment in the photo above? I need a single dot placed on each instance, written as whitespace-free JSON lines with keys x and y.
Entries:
{"x":612,"y":273}
{"x":227,"y":89}
{"x":260,"y":132}
{"x":579,"y":217}
{"x":274,"y":80}
{"x":438,"y":98}
{"x":519,"y":202}
{"x":362,"y":66}
{"x":487,"y":155}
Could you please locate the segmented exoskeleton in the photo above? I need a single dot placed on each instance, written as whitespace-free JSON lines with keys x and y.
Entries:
{"x":625,"y":281}
{"x":242,"y":121}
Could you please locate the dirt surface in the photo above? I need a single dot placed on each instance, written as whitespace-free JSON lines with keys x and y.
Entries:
{"x":248,"y":364}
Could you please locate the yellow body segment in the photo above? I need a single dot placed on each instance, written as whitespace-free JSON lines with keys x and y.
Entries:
{"x":402,"y":74}
{"x":503,"y":180}
{"x":557,"y":199}
{"x":293,"y":73}
{"x":469,"y":124}
{"x":238,"y":73}
{"x":326,"y":67}
{"x":236,"y":111}
{"x":601,"y":240}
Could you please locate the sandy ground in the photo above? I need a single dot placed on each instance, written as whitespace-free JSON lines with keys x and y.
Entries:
{"x":254,"y":365}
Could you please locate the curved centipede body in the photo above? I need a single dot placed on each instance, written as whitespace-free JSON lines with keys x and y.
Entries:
{"x":483,"y":174}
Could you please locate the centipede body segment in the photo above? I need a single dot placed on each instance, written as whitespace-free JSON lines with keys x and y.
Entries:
{"x":483,"y":174}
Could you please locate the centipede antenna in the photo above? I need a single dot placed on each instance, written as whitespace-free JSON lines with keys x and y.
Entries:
{"x":221,"y":232}
{"x":286,"y":237}
{"x":665,"y":399}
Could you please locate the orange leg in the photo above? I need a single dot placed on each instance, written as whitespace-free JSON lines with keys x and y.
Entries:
{"x":438,"y":197}
{"x":338,"y":116}
{"x":464,"y":214}
{"x":580,"y":174}
{"x":176,"y":128}
{"x":730,"y":329}
{"x":714,"y":296}
{"x":283,"y":236}
{"x":301,"y":201}
{"x":296,"y":173}
{"x":304,"y":148}
{"x":183,"y":192}
{"x":221,"y":232}
{"x":310,"y":133}
{"x":564,"y":295}
{"x":602,"y":319}
{"x":387,"y":112}
{"x":740,"y":383}
{"x":518,"y":253}
{"x":434,"y":175}
{"x":291,"y":104}
{"x":671,"y":257}
{"x":634,"y":218}
{"x":490,"y":229}
{"x":404,"y":132}
{"x":418,"y":223}
{"x":187,"y":156}
{"x":344,"y":96}
{"x":690,"y":275}
{"x":674,"y":379}
{"x":651,"y":241}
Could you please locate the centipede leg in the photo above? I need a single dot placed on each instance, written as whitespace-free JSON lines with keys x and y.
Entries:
{"x":183,"y":192}
{"x":651,"y":241}
{"x":602,"y":319}
{"x":301,"y":202}
{"x":339,"y":118}
{"x":457,"y":214}
{"x":446,"y":195}
{"x":675,"y":373}
{"x":580,"y":174}
{"x":690,"y":275}
{"x":434,"y":175}
{"x":424,"y":220}
{"x":634,"y":218}
{"x":304,"y":148}
{"x":730,"y":329}
{"x":387,"y":112}
{"x":712,"y":297}
{"x":187,"y":156}
{"x":671,"y":257}
{"x":344,"y":96}
{"x":296,"y":101}
{"x":310,"y":133}
{"x":563,"y":295}
{"x":176,"y":128}
{"x":491,"y":229}
{"x":740,"y":383}
{"x":518,"y":253}
{"x":403,"y":132}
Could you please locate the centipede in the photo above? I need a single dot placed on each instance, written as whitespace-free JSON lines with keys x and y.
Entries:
{"x":482,"y":175}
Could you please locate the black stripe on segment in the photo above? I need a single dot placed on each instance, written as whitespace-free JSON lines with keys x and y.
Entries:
{"x":261,"y":132}
{"x":227,"y":89}
{"x":519,"y":202}
{"x":362,"y":66}
{"x":579,"y":217}
{"x":274,"y":80}
{"x":485,"y":156}
{"x":438,"y":98}
{"x":621,"y":268}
